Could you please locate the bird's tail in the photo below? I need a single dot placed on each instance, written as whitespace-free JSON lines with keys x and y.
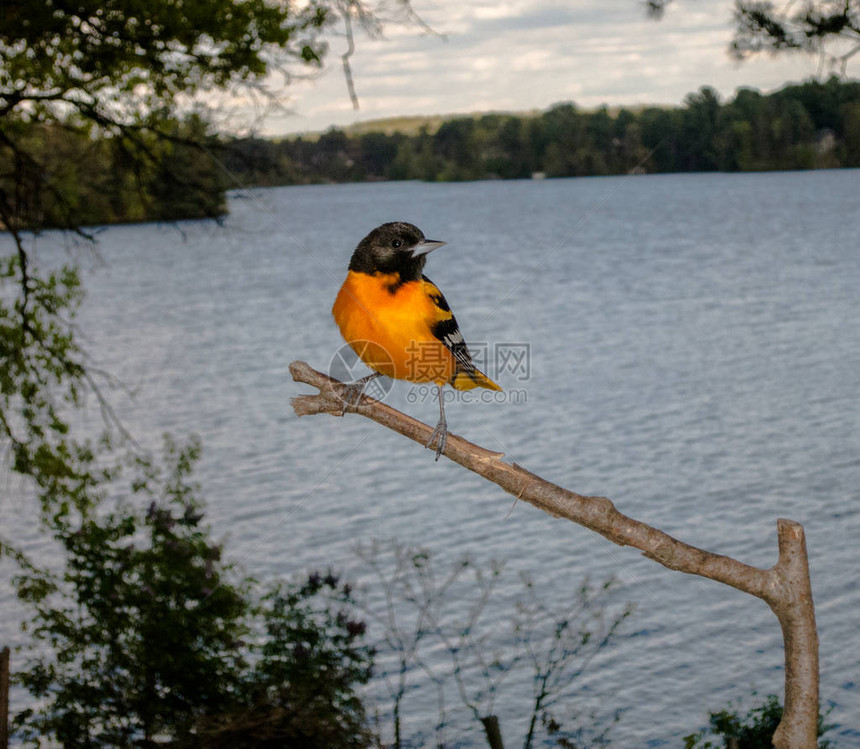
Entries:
{"x":465,"y":380}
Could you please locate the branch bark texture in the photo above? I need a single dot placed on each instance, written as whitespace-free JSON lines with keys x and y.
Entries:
{"x":785,"y":587}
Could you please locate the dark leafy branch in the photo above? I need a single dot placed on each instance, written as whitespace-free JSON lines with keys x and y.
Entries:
{"x":830,"y":28}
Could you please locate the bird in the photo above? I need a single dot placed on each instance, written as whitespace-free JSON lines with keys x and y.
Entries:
{"x":398,"y":322}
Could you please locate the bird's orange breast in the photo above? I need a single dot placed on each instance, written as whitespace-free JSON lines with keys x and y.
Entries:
{"x":389,"y":325}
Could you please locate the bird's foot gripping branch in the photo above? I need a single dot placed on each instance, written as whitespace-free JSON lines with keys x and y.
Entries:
{"x":785,"y":587}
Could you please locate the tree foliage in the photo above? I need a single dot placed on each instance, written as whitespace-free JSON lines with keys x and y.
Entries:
{"x":42,"y":370}
{"x":151,"y":634}
{"x":113,"y":85}
{"x":90,"y":130}
{"x":754,"y":730}
{"x":107,"y":82}
{"x":830,"y":28}
{"x":143,"y":625}
{"x":120,"y":61}
{"x":72,"y":177}
{"x":811,"y":27}
{"x":301,"y":690}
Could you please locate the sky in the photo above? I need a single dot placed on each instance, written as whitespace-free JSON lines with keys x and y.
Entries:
{"x":518,"y":55}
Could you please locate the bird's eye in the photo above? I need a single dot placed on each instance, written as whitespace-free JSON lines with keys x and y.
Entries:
{"x":396,"y":243}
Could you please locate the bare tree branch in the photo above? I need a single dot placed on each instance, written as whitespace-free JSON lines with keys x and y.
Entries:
{"x":785,"y":587}
{"x":345,"y":58}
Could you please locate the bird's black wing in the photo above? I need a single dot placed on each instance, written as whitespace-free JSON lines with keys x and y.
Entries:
{"x":445,"y":328}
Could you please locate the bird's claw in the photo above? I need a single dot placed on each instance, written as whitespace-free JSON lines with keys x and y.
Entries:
{"x":440,"y":437}
{"x":351,"y":395}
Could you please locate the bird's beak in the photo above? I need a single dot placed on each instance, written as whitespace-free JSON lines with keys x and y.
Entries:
{"x":427,"y":245}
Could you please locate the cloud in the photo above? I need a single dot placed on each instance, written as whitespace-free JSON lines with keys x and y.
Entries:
{"x":521,"y":55}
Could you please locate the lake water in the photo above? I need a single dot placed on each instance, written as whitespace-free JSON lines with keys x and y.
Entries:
{"x":693,"y":354}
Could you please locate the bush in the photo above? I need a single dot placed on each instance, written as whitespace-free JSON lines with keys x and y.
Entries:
{"x":751,"y":731}
{"x":149,"y":637}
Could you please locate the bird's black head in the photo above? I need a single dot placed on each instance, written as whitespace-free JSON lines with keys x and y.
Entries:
{"x":396,"y":247}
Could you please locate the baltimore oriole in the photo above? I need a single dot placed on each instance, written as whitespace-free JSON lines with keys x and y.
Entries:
{"x":398,"y":322}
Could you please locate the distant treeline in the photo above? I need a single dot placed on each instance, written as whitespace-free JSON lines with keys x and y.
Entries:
{"x":76,"y":178}
{"x":55,"y":176}
{"x":808,"y":126}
